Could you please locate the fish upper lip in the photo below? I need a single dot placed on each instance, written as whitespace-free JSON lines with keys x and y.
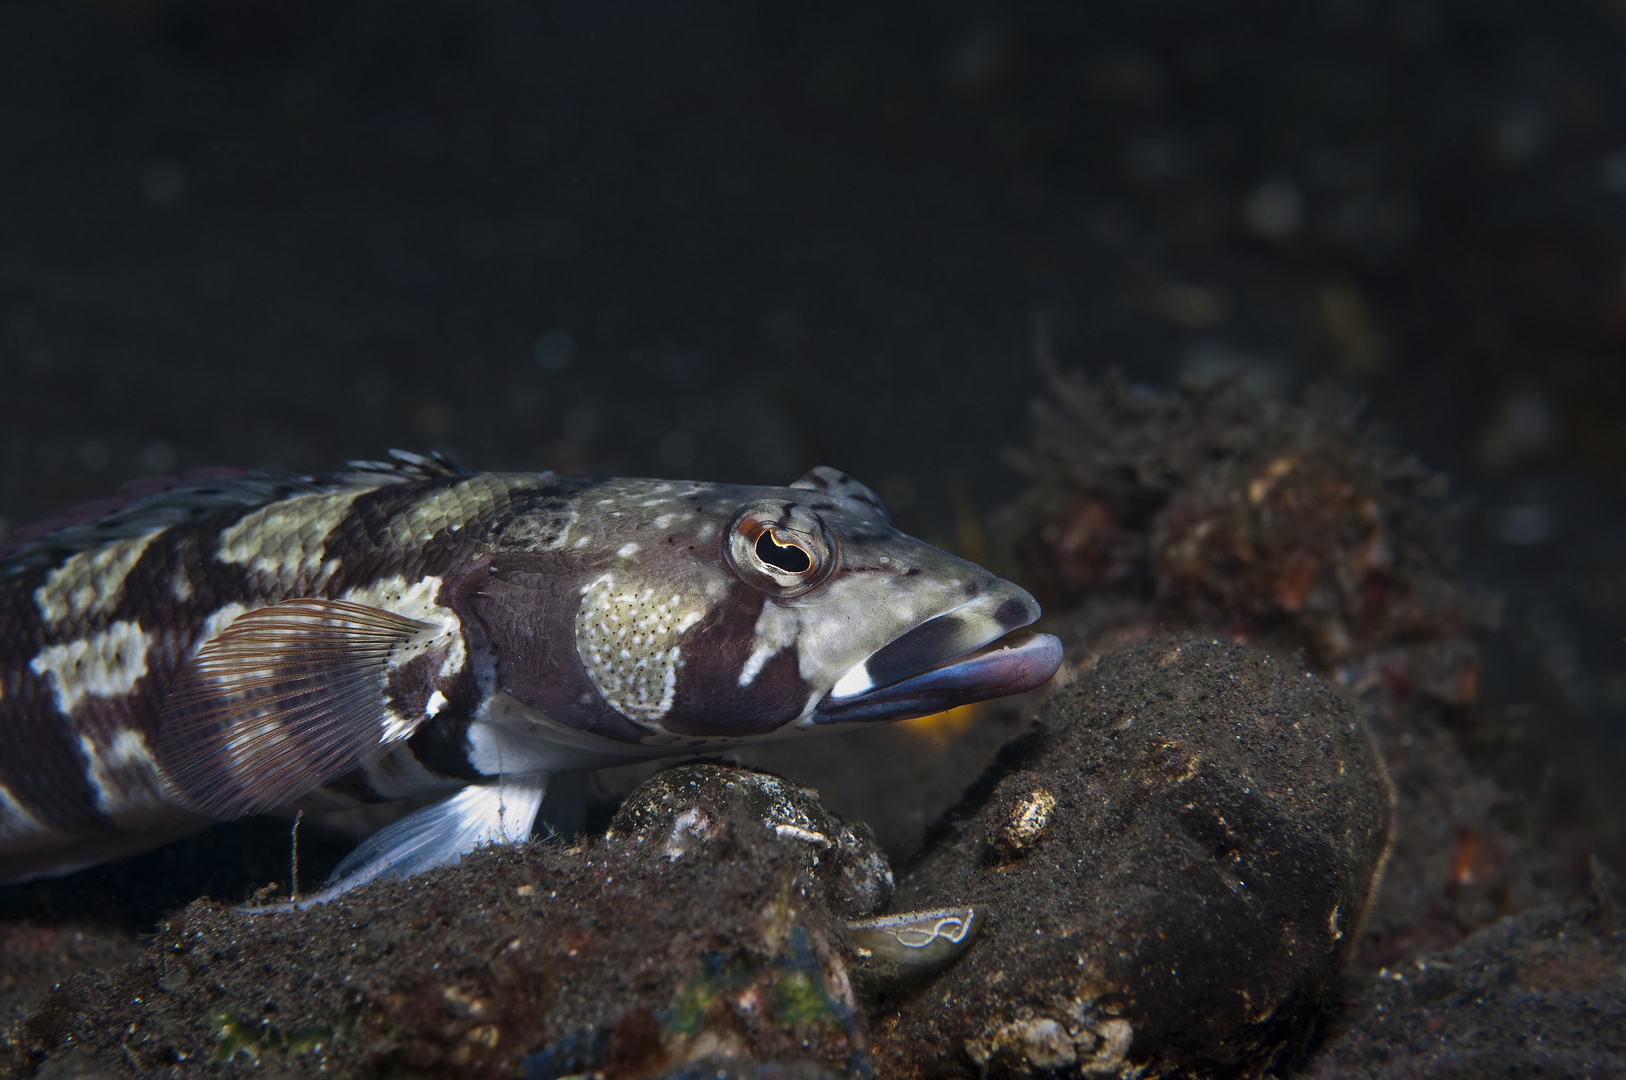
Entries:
{"x":949,"y":637}
{"x":1009,"y":664}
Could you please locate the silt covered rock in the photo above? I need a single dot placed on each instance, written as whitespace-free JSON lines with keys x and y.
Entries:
{"x":1173,"y":866}
{"x":1539,"y":994}
{"x":707,"y":926}
{"x":680,"y":809}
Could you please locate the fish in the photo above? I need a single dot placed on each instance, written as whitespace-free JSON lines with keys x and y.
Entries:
{"x":228,"y":643}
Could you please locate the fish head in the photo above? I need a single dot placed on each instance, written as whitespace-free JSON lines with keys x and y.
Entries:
{"x":709,"y":614}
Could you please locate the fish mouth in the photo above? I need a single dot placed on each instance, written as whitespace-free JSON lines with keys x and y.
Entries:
{"x":954,"y":659}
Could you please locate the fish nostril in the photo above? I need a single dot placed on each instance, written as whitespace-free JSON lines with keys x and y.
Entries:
{"x":1015,"y":613}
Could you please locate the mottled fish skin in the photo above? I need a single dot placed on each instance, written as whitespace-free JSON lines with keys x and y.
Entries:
{"x":238,"y":644}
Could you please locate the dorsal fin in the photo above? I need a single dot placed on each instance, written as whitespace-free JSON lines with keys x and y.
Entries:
{"x":157,"y":502}
{"x":836,"y":482}
{"x":146,"y":505}
{"x":407,"y":466}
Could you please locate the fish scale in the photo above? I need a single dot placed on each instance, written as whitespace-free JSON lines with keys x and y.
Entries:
{"x":221,"y":645}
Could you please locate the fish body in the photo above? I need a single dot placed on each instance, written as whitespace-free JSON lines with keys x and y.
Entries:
{"x":226,"y":645}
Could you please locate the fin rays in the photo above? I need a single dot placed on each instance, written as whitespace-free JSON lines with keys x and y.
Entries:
{"x":287,"y":698}
{"x":436,"y":835}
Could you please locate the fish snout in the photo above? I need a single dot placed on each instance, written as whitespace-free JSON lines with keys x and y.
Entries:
{"x":976,"y":651}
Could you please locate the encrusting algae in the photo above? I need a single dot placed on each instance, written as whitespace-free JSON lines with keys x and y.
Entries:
{"x":1210,"y":506}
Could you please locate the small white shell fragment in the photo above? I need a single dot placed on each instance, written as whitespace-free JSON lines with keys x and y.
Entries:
{"x":807,"y":836}
{"x":917,"y":940}
{"x":1025,"y":827}
{"x":691,"y":829}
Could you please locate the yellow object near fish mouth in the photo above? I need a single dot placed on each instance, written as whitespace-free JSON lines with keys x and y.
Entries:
{"x":943,"y":727}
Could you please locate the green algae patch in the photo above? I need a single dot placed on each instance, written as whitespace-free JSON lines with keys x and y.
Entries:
{"x":797,"y":999}
{"x":718,"y":978}
{"x":800,"y":993}
{"x":236,"y":1036}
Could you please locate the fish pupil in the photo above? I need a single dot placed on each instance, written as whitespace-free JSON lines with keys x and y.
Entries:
{"x":786,"y":557}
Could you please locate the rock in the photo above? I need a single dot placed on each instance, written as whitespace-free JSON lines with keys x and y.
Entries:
{"x":721,"y":1068}
{"x":1538,"y":994}
{"x":77,"y":1065}
{"x":683,"y":807}
{"x":34,"y":956}
{"x":1212,"y":509}
{"x":706,"y":925}
{"x":1173,"y":865}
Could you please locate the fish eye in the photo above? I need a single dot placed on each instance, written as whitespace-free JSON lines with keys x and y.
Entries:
{"x":786,"y":556}
{"x":780,"y":548}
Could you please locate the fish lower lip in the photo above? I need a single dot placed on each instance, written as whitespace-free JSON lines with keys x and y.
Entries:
{"x":1009,"y":665}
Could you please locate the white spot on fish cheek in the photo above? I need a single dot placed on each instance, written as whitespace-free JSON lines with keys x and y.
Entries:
{"x":437,"y":701}
{"x":778,"y":628}
{"x":621,"y":639}
{"x":583,"y":542}
{"x":626,"y":551}
{"x":104,"y":665}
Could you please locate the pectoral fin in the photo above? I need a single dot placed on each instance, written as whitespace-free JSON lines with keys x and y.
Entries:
{"x":285,"y":699}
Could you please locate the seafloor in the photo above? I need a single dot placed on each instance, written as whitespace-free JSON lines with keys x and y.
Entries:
{"x":733,"y":241}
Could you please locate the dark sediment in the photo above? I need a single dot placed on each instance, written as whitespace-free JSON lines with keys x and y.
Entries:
{"x":1538,"y":994}
{"x":1174,"y":864}
{"x":34,"y":956}
{"x":701,"y":930}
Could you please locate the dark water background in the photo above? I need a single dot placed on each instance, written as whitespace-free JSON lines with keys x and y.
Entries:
{"x":730,"y":241}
